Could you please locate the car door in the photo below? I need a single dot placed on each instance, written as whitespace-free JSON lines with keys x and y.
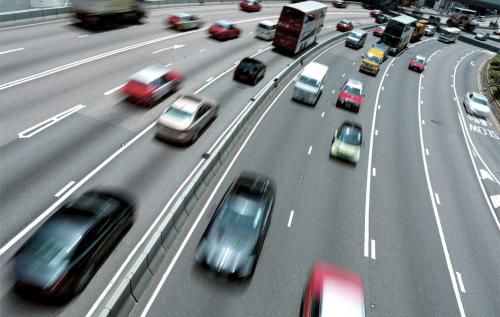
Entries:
{"x":164,"y":86}
{"x":201,"y":117}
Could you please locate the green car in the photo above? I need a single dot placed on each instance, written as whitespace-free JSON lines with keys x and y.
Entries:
{"x":346,"y":143}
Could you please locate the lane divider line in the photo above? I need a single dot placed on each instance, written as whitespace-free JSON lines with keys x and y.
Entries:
{"x":461,"y":282}
{"x":434,"y":206}
{"x":373,"y":254}
{"x":290,"y":218}
{"x":109,"y":92}
{"x":11,"y":51}
{"x":437,"y":198}
{"x":65,"y":188}
{"x":310,"y":149}
{"x":39,"y":127}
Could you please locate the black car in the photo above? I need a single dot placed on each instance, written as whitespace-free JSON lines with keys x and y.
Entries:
{"x":381,"y":18}
{"x":234,"y":237}
{"x":249,"y":71}
{"x":62,"y":256}
{"x":417,"y":14}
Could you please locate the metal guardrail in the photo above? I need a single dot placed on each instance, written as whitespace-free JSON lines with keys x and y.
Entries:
{"x":131,"y":288}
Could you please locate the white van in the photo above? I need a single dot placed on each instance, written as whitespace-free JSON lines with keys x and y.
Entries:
{"x":310,"y":83}
{"x":266,"y":30}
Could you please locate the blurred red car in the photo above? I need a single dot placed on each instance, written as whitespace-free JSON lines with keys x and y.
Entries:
{"x":333,"y":291}
{"x":250,"y":5}
{"x":497,"y":32}
{"x":351,"y":95}
{"x":339,"y":3}
{"x":375,"y":13}
{"x":224,"y":30}
{"x":151,"y":84}
{"x":417,"y":63}
{"x":379,"y":31}
{"x":184,"y":21}
{"x":345,"y":25}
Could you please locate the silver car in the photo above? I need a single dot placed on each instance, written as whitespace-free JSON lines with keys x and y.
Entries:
{"x":477,"y":104}
{"x":482,"y":36}
{"x":430,"y":30}
{"x":185,"y":118}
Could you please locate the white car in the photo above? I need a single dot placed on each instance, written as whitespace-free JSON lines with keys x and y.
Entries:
{"x":477,"y":104}
{"x":185,"y":118}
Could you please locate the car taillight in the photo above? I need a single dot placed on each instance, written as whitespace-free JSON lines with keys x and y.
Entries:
{"x":57,"y":283}
{"x":173,"y":20}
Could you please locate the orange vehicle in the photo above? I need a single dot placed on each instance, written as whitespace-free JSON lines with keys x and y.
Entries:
{"x":419,"y":31}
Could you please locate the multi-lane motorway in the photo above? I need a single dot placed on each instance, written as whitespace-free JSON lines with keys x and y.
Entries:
{"x":416,"y":217}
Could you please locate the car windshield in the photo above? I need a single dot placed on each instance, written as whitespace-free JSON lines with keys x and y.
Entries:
{"x":345,"y":21}
{"x":49,"y":250}
{"x":242,"y":213}
{"x":380,"y":28}
{"x":373,"y":58}
{"x":350,"y":135}
{"x":178,"y":114}
{"x":479,"y":100}
{"x":247,"y":66}
{"x":380,"y":46}
{"x":223,"y":25}
{"x":352,"y":90}
{"x":420,"y":60}
{"x":308,"y":81}
{"x":354,"y":35}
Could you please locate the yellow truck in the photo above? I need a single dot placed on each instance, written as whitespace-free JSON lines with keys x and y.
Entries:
{"x":419,"y":31}
{"x":370,"y":63}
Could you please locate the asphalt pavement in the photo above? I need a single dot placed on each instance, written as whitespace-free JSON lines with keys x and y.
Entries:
{"x":415,"y":217}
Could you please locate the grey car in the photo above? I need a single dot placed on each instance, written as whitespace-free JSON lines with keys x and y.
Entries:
{"x":233,"y":240}
{"x":482,"y":36}
{"x":430,"y":30}
{"x":477,"y":104}
{"x":183,"y":121}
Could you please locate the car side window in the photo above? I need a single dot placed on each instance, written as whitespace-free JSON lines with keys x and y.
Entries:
{"x":86,"y":243}
{"x":203,"y":109}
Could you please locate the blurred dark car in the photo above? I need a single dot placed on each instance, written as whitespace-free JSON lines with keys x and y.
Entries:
{"x":62,"y":256}
{"x":381,"y":18}
{"x":249,"y":71}
{"x":339,"y":3}
{"x":333,"y":291}
{"x":233,"y":240}
{"x":417,"y":14}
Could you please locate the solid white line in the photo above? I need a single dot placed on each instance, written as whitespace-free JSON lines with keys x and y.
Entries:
{"x":495,"y":200}
{"x":109,"y":92}
{"x":236,"y":63}
{"x":373,"y":254}
{"x":290,"y":218}
{"x":434,"y":207}
{"x":210,"y":198}
{"x":210,"y":79}
{"x":437,"y":198}
{"x":322,"y":114}
{"x":368,"y":175}
{"x":65,"y":188}
{"x":26,"y":25}
{"x":39,"y":127}
{"x":260,"y":50}
{"x":10,"y":51}
{"x":310,"y":149}
{"x":461,"y":282}
{"x":374,"y":172}
{"x":82,"y":36}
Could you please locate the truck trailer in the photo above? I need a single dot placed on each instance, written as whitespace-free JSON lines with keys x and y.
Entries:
{"x":108,"y":12}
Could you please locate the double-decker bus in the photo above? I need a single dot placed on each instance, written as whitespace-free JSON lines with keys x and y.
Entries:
{"x":449,"y":35}
{"x":398,"y":32}
{"x":298,"y":26}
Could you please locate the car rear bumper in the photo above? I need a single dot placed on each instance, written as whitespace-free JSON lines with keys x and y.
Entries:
{"x":368,"y":69}
{"x":172,"y":135}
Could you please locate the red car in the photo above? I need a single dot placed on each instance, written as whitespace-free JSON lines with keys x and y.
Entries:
{"x":417,"y":63}
{"x":379,"y":31}
{"x":250,"y":5}
{"x":333,"y":291}
{"x":345,"y":25}
{"x":375,"y":13}
{"x":351,"y":95}
{"x":224,"y":30}
{"x":151,"y":84}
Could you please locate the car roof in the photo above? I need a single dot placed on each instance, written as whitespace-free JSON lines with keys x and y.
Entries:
{"x":345,"y":21}
{"x":376,"y":51}
{"x":307,"y":6}
{"x":420,"y":57}
{"x":358,"y":31}
{"x":182,"y":15}
{"x":405,"y":19}
{"x":223,"y":22}
{"x":149,"y":73}
{"x":351,"y":123}
{"x":341,"y":291}
{"x":313,"y":69}
{"x":268,"y":22}
{"x":355,"y":83}
{"x":188,"y":103}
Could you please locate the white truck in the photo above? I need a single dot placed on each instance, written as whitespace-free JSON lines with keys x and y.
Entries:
{"x":108,"y":12}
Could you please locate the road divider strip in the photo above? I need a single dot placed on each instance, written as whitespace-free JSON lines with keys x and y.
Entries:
{"x":132,"y":286}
